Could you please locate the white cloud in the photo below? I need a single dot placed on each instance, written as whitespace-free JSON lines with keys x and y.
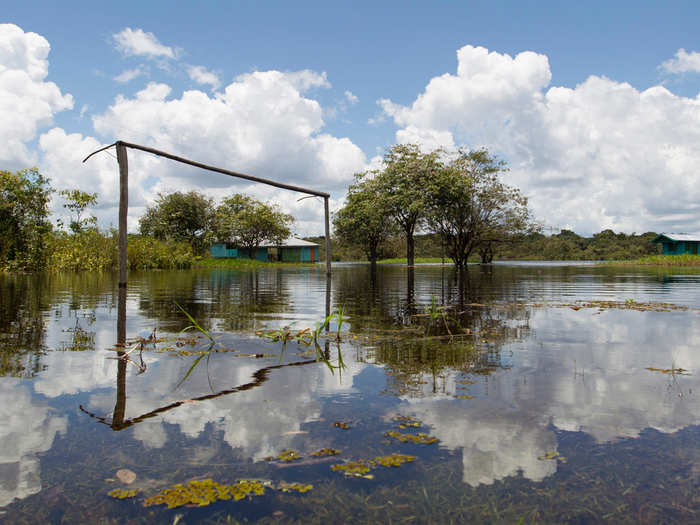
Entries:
{"x":129,"y":75}
{"x":200,"y":75}
{"x":260,"y":124}
{"x":350,"y":97}
{"x":600,"y":155}
{"x":27,"y":102}
{"x":683,"y":62}
{"x":139,"y":43}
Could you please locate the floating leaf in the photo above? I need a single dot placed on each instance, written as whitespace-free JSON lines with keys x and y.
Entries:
{"x":123,"y":493}
{"x":552,"y":455}
{"x":420,"y":438}
{"x":393,"y":460}
{"x":204,"y":492}
{"x":341,"y":424}
{"x":295,"y":487}
{"x":674,"y":371}
{"x":325,"y":452}
{"x":289,"y":455}
{"x":352,"y":468}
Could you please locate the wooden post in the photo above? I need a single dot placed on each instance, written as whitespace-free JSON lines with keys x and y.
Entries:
{"x":123,"y":208}
{"x":328,"y":237}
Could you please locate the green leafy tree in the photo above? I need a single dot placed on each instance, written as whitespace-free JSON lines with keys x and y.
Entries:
{"x":401,"y":186}
{"x":77,"y":202}
{"x":248,"y":223}
{"x":364,"y":219}
{"x":179,"y":217}
{"x":471,"y":208}
{"x":24,"y":199}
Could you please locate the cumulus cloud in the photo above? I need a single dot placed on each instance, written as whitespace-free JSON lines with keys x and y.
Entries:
{"x":350,"y":97}
{"x":262,"y":123}
{"x":27,"y":102}
{"x":136,"y":42}
{"x":201,"y":76}
{"x":683,"y":62}
{"x":129,"y":75}
{"x":600,"y":155}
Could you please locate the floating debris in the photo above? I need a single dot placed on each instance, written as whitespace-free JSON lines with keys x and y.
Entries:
{"x":341,"y":424}
{"x":674,"y":371}
{"x":126,"y":476}
{"x":123,"y":493}
{"x":420,"y":438}
{"x":552,"y":455}
{"x":325,"y":452}
{"x":204,"y":492}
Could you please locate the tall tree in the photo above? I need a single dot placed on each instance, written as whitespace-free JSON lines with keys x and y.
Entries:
{"x":180,"y":217}
{"x":470,"y":208}
{"x":77,"y":201}
{"x":401,"y":185}
{"x":364,"y":219}
{"x":24,"y":200}
{"x":248,"y":223}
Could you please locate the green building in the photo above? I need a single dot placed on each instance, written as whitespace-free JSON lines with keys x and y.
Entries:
{"x":289,"y":250}
{"x":678,"y":243}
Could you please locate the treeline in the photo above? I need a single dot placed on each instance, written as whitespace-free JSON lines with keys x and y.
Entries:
{"x":565,"y":246}
{"x":174,"y":232}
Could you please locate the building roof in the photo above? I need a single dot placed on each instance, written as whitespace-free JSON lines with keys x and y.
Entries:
{"x":677,"y":237}
{"x":291,"y":242}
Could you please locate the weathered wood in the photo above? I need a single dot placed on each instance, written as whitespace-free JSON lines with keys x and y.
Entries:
{"x":122,"y":159}
{"x":328,"y":237}
{"x":225,"y":172}
{"x":123,"y":196}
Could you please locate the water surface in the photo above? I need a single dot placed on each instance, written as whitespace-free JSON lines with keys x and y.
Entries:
{"x":554,"y":393}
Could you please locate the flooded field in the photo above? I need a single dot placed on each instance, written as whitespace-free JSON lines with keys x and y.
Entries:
{"x":524,"y":393}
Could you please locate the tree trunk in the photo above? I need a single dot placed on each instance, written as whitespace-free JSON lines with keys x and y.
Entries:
{"x":410,"y":248}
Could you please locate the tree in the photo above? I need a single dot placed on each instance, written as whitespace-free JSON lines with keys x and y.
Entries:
{"x":247,"y":223}
{"x":401,"y":187}
{"x":364,"y":219}
{"x":471,"y":208}
{"x":24,"y":200}
{"x":179,"y":217}
{"x":77,"y":202}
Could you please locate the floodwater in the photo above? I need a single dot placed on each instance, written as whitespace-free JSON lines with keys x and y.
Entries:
{"x":522,"y":393}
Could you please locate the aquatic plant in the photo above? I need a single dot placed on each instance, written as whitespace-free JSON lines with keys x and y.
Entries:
{"x":289,"y":455}
{"x":194,"y":325}
{"x":325,"y":452}
{"x":552,"y":455}
{"x":672,"y":371}
{"x":393,"y":460}
{"x":295,"y":487}
{"x":204,"y":492}
{"x":123,"y":493}
{"x":353,"y":468}
{"x":341,"y":424}
{"x":420,"y":438}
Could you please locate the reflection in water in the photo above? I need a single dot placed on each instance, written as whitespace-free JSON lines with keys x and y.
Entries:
{"x":491,"y":362}
{"x":28,"y":429}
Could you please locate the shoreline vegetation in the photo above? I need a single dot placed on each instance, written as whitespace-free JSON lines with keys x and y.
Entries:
{"x":684,"y":260}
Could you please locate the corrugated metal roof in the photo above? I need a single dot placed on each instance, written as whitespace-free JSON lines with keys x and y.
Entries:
{"x":679,"y":237}
{"x":292,"y":242}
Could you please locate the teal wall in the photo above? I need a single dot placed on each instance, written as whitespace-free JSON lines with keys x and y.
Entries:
{"x":679,"y":248}
{"x":220,"y":250}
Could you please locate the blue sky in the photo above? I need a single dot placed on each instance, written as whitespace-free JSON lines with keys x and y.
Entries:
{"x":575,"y":96}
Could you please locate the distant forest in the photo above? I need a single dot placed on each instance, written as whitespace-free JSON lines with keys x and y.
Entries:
{"x":563,"y":246}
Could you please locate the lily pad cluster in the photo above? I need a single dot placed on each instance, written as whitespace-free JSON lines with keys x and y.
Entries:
{"x":361,"y":467}
{"x":407,"y":422}
{"x":204,"y":492}
{"x":325,"y":452}
{"x":123,"y":493}
{"x":553,"y":455}
{"x":421,"y":438}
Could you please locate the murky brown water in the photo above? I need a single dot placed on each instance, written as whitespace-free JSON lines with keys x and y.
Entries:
{"x":534,"y":392}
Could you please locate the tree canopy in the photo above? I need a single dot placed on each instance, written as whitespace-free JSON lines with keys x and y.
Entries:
{"x":364,"y":219}
{"x":248,"y":223}
{"x":24,"y":199}
{"x":179,"y":217}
